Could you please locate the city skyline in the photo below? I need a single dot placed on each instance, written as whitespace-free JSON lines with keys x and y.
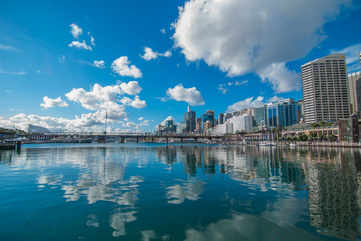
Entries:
{"x":81,"y":65}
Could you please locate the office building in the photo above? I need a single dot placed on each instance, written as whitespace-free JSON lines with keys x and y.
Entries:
{"x":354,"y":81}
{"x":209,"y":116}
{"x":220,"y":118}
{"x":259,"y":115}
{"x":282,"y":113}
{"x":199,"y":125}
{"x":167,"y":127}
{"x":189,"y":120}
{"x":325,"y":89}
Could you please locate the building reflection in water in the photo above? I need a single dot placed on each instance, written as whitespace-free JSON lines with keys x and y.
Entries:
{"x":332,"y":179}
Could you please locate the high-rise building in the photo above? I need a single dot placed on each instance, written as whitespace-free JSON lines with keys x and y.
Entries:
{"x":354,"y":81}
{"x":325,"y":89}
{"x":199,"y":125}
{"x":189,"y":120}
{"x":259,"y":115}
{"x":207,"y":126}
{"x":167,"y":127}
{"x":220,"y":118}
{"x":209,"y":116}
{"x":283,"y":113}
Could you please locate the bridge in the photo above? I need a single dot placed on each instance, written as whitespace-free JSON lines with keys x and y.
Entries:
{"x":120,"y":137}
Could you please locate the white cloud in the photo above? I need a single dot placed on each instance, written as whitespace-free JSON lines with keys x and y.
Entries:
{"x":136,"y":103}
{"x":12,"y":73}
{"x":252,"y":102}
{"x":76,"y":31}
{"x":163,"y":31}
{"x":190,"y":95}
{"x":92,"y":40}
{"x":149,"y":54}
{"x":131,"y":88}
{"x":282,"y":79}
{"x":99,"y":64}
{"x":245,"y":104}
{"x":107,"y":98}
{"x":80,"y":45}
{"x":141,"y":118}
{"x":122,"y":67}
{"x":50,"y":103}
{"x":352,"y":56}
{"x":166,"y":119}
{"x":88,"y":122}
{"x":223,"y":88}
{"x":249,"y":36}
{"x":8,"y":48}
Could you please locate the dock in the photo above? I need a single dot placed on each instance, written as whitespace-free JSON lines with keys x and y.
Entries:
{"x":7,"y":146}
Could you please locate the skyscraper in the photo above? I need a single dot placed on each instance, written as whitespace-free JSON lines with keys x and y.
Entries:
{"x":325,"y":89}
{"x":199,"y":125}
{"x":354,"y":80}
{"x":220,"y":118}
{"x":259,"y":114}
{"x":189,"y":120}
{"x":208,"y":116}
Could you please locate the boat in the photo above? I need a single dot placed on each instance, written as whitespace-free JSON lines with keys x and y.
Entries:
{"x":267,"y":143}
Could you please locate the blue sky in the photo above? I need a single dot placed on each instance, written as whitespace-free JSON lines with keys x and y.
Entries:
{"x":220,"y":55}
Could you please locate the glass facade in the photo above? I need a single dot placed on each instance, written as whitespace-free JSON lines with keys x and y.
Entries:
{"x":282,"y":114}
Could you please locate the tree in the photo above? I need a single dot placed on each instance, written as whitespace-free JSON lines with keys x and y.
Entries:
{"x":302,"y":137}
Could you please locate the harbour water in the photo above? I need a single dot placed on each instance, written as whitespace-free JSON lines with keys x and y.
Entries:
{"x":179,"y":192}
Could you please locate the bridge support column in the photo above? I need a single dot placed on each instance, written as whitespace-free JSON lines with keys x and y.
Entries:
{"x":166,"y":140}
{"x":137,"y":139}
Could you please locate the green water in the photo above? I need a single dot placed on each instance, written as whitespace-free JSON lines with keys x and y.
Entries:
{"x":178,"y":192}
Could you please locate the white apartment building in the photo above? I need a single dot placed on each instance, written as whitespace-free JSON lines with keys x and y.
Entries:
{"x":325,"y":89}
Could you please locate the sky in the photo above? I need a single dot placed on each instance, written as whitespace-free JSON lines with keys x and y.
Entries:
{"x":66,"y":65}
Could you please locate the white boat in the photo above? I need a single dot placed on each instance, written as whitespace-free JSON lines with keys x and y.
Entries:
{"x":292,"y":145}
{"x":267,"y":143}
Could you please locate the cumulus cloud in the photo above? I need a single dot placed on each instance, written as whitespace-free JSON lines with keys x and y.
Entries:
{"x":252,"y":102}
{"x":131,"y":88}
{"x":249,"y":36}
{"x":282,"y":79}
{"x":149,"y":54}
{"x":88,"y":122}
{"x":136,"y":103}
{"x":99,"y":64}
{"x":190,"y":95}
{"x":50,"y":103}
{"x":245,"y":104}
{"x":107,"y":98}
{"x":75,"y":30}
{"x":80,"y":45}
{"x":123,"y":67}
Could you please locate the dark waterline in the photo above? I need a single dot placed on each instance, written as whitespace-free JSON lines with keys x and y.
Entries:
{"x":179,"y":192}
